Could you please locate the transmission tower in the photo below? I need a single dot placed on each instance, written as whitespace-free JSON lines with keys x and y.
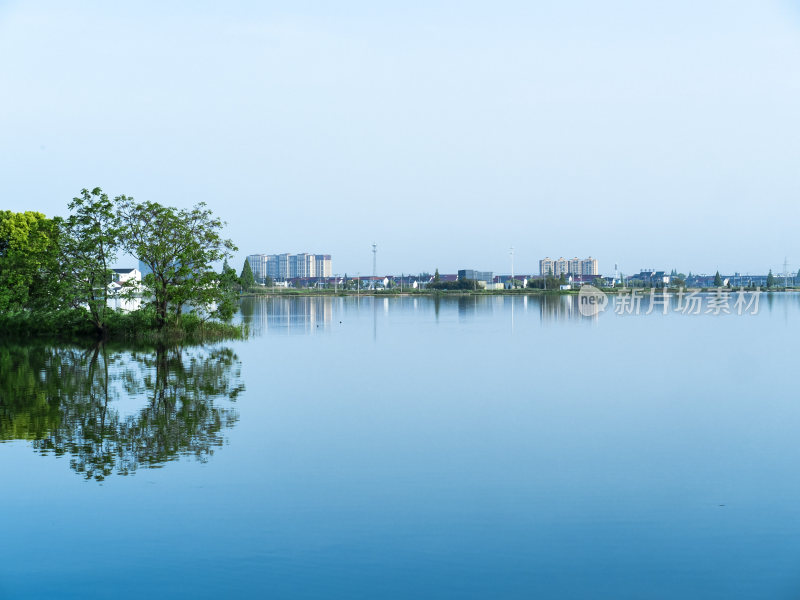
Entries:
{"x":785,"y":272}
{"x":374,"y":259}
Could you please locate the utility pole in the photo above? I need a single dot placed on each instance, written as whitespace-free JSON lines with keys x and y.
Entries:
{"x":512,"y":267}
{"x":785,"y":273}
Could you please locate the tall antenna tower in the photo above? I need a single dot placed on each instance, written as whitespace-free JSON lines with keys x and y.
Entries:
{"x":785,"y":272}
{"x":511,"y":252}
{"x":374,"y":259}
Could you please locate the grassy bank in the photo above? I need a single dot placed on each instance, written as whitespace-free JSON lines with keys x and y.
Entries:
{"x":138,"y":326}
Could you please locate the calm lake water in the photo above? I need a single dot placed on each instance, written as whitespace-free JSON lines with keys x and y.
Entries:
{"x":490,"y":447}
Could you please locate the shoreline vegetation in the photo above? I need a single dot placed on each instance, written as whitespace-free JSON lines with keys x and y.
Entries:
{"x":57,"y":281}
{"x":137,"y":327}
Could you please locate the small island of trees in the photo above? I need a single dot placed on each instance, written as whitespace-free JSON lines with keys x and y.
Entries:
{"x":55,"y":272}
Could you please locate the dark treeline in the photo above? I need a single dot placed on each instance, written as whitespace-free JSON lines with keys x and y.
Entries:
{"x":459,"y":284}
{"x":55,"y":272}
{"x":547,"y":283}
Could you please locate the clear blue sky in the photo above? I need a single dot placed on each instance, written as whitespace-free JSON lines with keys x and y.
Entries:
{"x":649,"y":134}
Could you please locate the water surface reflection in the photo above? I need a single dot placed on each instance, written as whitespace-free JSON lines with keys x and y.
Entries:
{"x":311,"y":315}
{"x":112,"y":410}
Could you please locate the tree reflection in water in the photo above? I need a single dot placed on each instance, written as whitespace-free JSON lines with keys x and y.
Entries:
{"x":63,"y":400}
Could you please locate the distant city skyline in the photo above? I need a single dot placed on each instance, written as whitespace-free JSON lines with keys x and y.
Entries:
{"x":567,"y":268}
{"x":573,"y":266}
{"x":288,"y":265}
{"x":647,"y":135}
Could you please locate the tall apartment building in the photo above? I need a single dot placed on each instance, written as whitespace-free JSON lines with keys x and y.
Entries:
{"x":562,"y":266}
{"x":300,"y":265}
{"x":589,"y":266}
{"x":322,"y":265}
{"x":546,"y":266}
{"x":258,"y":265}
{"x":289,"y":266}
{"x":282,"y":266}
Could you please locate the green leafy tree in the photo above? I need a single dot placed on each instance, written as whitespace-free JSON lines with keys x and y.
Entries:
{"x":548,"y":282}
{"x":179,"y":246}
{"x":29,"y":261}
{"x":246,"y":279}
{"x":770,"y":279}
{"x":89,"y":244}
{"x":229,"y":284}
{"x":717,"y":280}
{"x":461,"y":284}
{"x":436,"y":278}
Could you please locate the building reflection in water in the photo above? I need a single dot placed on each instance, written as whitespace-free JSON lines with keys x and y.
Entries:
{"x":558,"y":307}
{"x":470,"y":307}
{"x":316,"y":314}
{"x":304,"y":314}
{"x":550,"y":307}
{"x":72,"y":402}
